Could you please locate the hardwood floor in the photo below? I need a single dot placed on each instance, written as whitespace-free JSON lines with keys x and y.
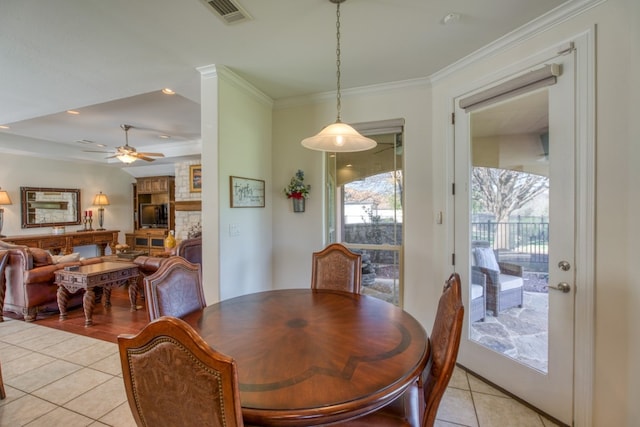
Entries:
{"x":107,"y":324}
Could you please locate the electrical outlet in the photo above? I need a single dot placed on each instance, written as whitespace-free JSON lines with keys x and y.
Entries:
{"x":234,"y":230}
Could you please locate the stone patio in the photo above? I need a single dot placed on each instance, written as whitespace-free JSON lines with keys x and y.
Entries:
{"x":520,"y":333}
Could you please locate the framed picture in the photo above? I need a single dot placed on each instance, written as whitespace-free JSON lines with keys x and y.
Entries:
{"x":195,"y":178}
{"x":246,"y":192}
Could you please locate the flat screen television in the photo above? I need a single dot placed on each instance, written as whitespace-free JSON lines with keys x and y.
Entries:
{"x":154,"y":215}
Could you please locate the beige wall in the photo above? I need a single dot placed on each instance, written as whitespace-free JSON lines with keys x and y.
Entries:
{"x":427,"y":170}
{"x":245,"y":151}
{"x":632,"y":153}
{"x":297,"y":235}
{"x":20,"y":171}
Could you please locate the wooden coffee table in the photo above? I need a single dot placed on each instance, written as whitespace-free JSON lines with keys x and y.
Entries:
{"x":103,"y":275}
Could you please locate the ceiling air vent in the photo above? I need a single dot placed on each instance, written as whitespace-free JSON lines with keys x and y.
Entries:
{"x":230,"y":11}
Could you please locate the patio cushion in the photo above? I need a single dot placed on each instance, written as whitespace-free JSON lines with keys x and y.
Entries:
{"x":476,"y":291}
{"x":510,"y":282}
{"x":485,"y":258}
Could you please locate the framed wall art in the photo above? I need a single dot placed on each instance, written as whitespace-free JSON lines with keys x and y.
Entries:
{"x":195,"y":178}
{"x":246,"y":192}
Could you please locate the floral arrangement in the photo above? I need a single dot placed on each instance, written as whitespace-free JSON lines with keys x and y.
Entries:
{"x":296,"y":188}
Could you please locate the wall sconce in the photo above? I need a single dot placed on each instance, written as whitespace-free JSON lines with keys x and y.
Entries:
{"x":101,"y":200}
{"x":4,"y":200}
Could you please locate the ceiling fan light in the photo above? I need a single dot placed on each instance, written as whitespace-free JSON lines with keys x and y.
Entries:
{"x":126,"y":158}
{"x":339,"y":137}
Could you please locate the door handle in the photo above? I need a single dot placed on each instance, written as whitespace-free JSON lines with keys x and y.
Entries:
{"x":562,"y":286}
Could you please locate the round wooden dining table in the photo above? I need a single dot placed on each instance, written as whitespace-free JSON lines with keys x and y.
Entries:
{"x":308,"y":357}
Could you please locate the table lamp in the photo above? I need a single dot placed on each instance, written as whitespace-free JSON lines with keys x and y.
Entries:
{"x":4,"y":200}
{"x":101,"y":200}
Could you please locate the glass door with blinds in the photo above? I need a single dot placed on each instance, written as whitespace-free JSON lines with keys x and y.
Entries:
{"x":365,"y":207}
{"x":514,"y":233}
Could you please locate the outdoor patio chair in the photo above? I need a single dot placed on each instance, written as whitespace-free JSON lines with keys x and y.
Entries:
{"x":505,"y":284}
{"x":478,"y":291}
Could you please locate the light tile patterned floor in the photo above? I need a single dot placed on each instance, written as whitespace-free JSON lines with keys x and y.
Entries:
{"x":55,"y":378}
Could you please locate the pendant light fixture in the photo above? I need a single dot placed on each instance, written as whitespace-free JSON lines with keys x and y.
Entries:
{"x":338,"y":137}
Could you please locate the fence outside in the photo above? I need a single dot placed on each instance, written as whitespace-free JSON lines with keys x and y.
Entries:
{"x":524,"y":243}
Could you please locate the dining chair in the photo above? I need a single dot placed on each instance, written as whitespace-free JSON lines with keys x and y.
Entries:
{"x":336,"y":267}
{"x":175,"y":289}
{"x":172,"y":377}
{"x":418,"y":406}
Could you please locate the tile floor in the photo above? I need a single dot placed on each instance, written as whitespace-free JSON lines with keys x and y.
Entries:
{"x":56,"y":378}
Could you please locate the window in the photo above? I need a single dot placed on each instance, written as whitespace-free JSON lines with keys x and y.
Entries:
{"x":364,"y":208}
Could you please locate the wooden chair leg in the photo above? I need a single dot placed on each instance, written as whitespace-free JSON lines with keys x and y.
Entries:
{"x":2,"y":392}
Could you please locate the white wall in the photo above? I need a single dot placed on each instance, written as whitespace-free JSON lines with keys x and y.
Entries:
{"x":245,"y":151}
{"x":616,"y":201}
{"x":21,"y":171}
{"x":297,"y":235}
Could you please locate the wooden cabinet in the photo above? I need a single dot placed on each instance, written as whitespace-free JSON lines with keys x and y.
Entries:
{"x":64,"y":243}
{"x":155,"y":184}
{"x":150,"y":242}
{"x":154,"y":213}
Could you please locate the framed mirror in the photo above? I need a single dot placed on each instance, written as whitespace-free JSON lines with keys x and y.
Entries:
{"x":49,"y":207}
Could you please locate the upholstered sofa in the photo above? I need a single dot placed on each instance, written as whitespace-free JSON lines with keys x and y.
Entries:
{"x":30,"y":279}
{"x":189,"y":249}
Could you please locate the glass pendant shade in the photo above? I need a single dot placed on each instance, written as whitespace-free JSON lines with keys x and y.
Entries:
{"x":338,"y":137}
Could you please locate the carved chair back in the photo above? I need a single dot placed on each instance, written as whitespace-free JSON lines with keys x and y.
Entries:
{"x":445,"y":341}
{"x":175,"y":289}
{"x":336,"y":267}
{"x":172,"y":377}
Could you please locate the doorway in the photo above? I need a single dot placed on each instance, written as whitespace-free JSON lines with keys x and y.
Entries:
{"x":515,"y":237}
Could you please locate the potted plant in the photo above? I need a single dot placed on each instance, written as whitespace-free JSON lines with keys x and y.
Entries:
{"x":297,"y":191}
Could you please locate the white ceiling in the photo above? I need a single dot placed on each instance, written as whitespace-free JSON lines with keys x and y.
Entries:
{"x":109,"y":59}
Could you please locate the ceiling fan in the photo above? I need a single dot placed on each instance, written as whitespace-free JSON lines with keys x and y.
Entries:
{"x":128,"y":154}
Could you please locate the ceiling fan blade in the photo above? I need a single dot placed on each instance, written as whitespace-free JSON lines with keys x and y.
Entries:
{"x":113,"y":157}
{"x":143,"y":157}
{"x":152,"y":154}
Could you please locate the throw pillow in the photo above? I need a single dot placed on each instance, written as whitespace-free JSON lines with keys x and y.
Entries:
{"x":40,"y":257}
{"x":486,"y":258}
{"x":57,"y":259}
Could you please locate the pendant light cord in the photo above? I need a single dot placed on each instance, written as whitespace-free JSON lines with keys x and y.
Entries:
{"x":338,"y":106}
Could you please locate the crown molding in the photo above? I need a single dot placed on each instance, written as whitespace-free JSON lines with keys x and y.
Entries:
{"x":322,"y":97}
{"x":224,"y":73}
{"x":529,"y":30}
